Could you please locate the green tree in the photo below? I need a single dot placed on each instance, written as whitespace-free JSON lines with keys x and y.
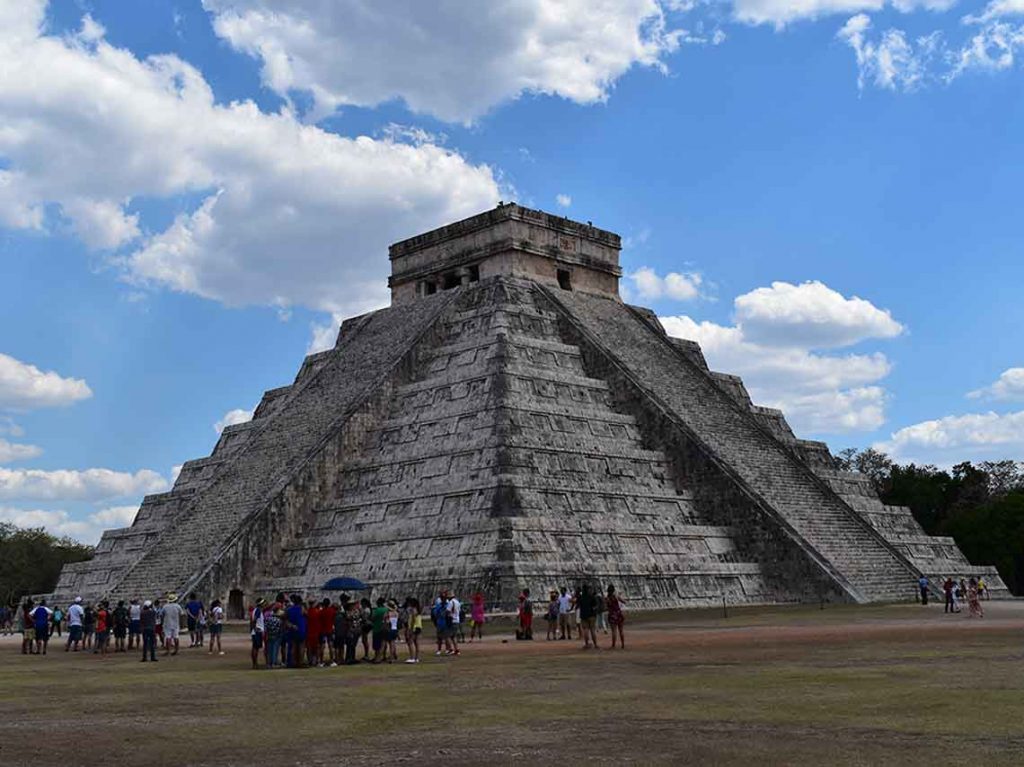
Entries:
{"x":31,"y":560}
{"x":993,"y":532}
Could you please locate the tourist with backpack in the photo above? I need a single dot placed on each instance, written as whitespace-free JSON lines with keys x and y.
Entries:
{"x":58,"y":619}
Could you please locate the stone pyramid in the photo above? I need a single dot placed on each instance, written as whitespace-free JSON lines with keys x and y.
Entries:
{"x":508,"y":421}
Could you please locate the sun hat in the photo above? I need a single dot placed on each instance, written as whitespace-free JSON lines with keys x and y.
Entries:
{"x":78,"y":600}
{"x":172,"y":597}
{"x":147,"y":603}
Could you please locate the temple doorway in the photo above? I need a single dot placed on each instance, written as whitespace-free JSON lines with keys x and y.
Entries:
{"x":236,"y":605}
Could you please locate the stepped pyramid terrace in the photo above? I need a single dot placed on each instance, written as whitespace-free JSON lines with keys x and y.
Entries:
{"x":510,"y":422}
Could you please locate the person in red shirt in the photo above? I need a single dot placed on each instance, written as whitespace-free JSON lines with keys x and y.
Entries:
{"x":313,"y":612}
{"x":327,"y":614}
{"x":102,"y":629}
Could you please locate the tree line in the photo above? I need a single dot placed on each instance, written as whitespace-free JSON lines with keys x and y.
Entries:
{"x":979,"y":505}
{"x":30,"y":560}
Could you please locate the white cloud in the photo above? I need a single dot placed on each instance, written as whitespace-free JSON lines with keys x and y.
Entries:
{"x":24,"y":386}
{"x":952,"y":439}
{"x":992,"y":49}
{"x":59,"y":522}
{"x":12,"y":451}
{"x":563,"y":200}
{"x":895,"y":62}
{"x":75,"y":485}
{"x":892,"y":63}
{"x":1008,"y":387}
{"x":810,"y":315}
{"x":772,"y":348}
{"x":454,"y":60}
{"x":648,"y":285}
{"x":997,"y":9}
{"x":818,"y":393}
{"x":783,"y":12}
{"x":114,"y":516}
{"x":232,"y":418}
{"x":325,"y":335}
{"x":289,"y":215}
{"x":56,"y":522}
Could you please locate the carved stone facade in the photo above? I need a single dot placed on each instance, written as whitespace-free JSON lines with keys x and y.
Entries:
{"x":509,"y":422}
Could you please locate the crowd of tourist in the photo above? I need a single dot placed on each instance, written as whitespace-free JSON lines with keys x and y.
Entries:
{"x":297,"y":632}
{"x":956,"y":592}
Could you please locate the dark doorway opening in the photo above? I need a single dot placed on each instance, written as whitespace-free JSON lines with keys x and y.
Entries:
{"x":236,"y":605}
{"x":564,"y":279}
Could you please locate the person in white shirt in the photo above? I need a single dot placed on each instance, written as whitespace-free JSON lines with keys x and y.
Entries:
{"x":454,"y":609}
{"x":216,"y":625}
{"x":134,"y":624}
{"x":172,"y":623}
{"x":565,"y":615}
{"x":76,"y":615}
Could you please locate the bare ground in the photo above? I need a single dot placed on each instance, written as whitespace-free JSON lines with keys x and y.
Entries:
{"x":899,"y":684}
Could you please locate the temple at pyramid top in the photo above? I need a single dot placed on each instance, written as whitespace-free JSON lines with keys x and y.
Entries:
{"x":507,"y":423}
{"x":509,"y":240}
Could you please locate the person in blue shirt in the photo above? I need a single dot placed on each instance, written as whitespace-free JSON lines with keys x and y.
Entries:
{"x":193,"y":609}
{"x":296,"y":617}
{"x":41,"y":617}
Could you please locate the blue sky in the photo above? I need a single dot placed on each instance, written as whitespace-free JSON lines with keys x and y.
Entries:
{"x":824,"y":193}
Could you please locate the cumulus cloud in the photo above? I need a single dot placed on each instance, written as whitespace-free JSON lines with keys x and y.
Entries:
{"x":1008,"y":387}
{"x":56,"y":522}
{"x":12,"y":451}
{"x":286,"y":213}
{"x":325,"y":334}
{"x":74,"y":485}
{"x":646,"y":284}
{"x":232,"y":418}
{"x":114,"y":516}
{"x":773,"y":347}
{"x":955,"y":438}
{"x":454,"y":60}
{"x":563,"y":200}
{"x":820,"y":394}
{"x":810,"y":315}
{"x":59,"y":522}
{"x":25,"y":387}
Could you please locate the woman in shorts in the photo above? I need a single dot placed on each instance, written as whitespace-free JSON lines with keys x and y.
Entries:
{"x":552,"y":615}
{"x":615,"y":616}
{"x":391,"y":619}
{"x":216,"y":626}
{"x":413,"y":628}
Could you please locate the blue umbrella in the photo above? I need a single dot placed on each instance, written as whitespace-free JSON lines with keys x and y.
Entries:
{"x":345,"y":584}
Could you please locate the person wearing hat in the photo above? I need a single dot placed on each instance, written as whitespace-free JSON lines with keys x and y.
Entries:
{"x":172,"y":623}
{"x":147,"y":624}
{"x":76,"y":614}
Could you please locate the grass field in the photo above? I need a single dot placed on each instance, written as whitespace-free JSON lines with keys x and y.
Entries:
{"x":899,"y":684}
